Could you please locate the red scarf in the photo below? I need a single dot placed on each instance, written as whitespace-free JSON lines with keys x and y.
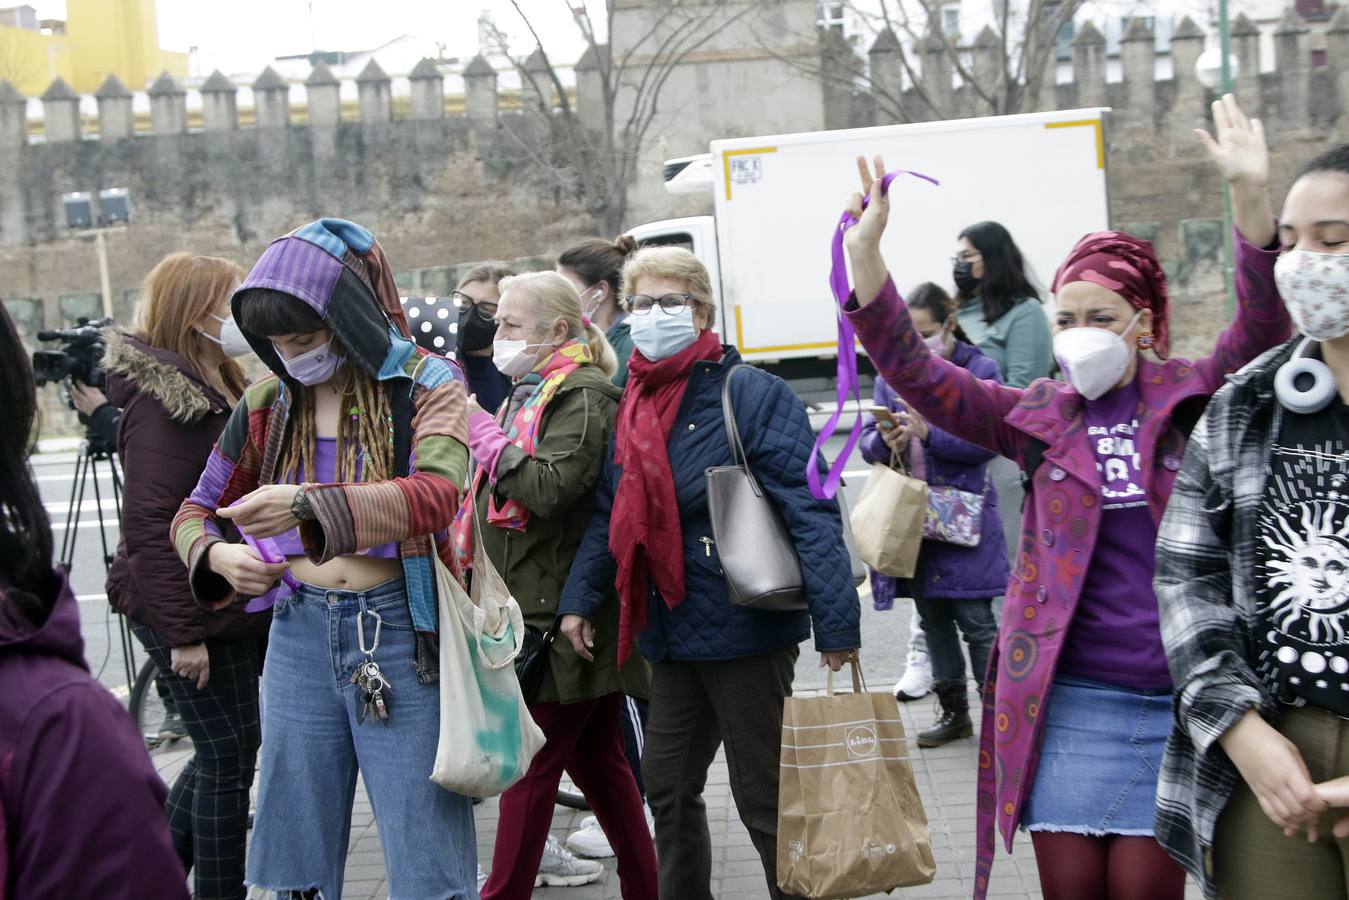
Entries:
{"x":645,"y":536}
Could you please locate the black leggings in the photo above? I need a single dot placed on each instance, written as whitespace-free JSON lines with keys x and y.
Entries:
{"x":207,"y":807}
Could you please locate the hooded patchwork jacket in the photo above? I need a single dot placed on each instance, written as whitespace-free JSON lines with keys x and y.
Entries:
{"x":338,"y":269}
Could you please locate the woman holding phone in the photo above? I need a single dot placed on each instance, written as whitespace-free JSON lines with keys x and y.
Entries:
{"x":954,"y":586}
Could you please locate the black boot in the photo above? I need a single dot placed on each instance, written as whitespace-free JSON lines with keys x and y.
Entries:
{"x":954,"y":722}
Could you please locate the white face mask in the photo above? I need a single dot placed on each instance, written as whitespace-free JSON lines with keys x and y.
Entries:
{"x":1315,"y":288}
{"x":591,"y":301}
{"x":1094,"y":359}
{"x":660,"y":335}
{"x":937,"y":344}
{"x":514,"y":358}
{"x":232,"y":341}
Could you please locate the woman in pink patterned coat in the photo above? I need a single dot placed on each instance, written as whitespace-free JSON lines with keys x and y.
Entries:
{"x":1077,"y":704}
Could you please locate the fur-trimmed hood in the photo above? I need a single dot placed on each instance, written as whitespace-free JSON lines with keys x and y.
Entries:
{"x":135,"y":367}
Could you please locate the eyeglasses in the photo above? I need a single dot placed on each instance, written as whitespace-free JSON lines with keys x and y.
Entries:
{"x":968,"y":256}
{"x":486,"y":311}
{"x":641,"y":304}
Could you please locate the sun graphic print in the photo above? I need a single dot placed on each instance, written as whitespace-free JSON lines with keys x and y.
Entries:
{"x":1303,"y":574}
{"x":1308,"y":571}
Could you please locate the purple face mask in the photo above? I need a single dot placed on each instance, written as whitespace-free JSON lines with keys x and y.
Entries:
{"x":313,"y":367}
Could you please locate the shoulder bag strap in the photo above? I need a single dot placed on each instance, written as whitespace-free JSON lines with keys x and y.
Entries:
{"x":733,"y":431}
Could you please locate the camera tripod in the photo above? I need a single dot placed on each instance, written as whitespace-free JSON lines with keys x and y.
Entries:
{"x":93,"y":455}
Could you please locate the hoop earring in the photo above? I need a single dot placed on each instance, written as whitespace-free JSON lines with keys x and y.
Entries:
{"x":1305,"y":399}
{"x":1146,"y":340}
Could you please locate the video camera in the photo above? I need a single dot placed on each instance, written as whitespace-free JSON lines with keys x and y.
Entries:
{"x":80,"y":357}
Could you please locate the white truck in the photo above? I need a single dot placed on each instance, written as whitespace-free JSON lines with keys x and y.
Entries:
{"x":778,"y":199}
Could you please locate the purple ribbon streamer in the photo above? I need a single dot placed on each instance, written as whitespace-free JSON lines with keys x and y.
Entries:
{"x":289,"y":584}
{"x":847,"y":357}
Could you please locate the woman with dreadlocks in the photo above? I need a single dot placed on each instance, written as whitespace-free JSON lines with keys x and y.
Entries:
{"x":342,"y":471}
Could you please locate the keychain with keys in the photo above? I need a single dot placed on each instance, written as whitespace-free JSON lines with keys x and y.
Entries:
{"x":372,"y":685}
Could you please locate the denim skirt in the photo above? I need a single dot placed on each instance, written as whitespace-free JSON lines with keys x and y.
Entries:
{"x":1099,"y":759}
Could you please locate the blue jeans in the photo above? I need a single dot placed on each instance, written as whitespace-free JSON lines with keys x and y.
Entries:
{"x":313,"y":747}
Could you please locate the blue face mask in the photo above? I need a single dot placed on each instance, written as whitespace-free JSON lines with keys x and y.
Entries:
{"x":660,"y":335}
{"x":313,"y":367}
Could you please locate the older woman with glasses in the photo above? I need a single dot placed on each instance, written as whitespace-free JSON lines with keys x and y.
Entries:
{"x":720,"y":671}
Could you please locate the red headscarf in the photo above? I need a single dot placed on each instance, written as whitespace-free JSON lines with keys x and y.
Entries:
{"x":645,"y":536}
{"x":1126,"y":265}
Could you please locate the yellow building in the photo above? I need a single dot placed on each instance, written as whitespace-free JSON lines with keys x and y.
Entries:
{"x":99,"y":38}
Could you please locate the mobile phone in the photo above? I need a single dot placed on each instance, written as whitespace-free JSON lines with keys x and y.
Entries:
{"x":884,"y":417}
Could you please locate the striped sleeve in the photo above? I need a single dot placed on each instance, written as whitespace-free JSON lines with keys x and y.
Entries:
{"x":231,"y":471}
{"x":1201,"y":628}
{"x":355,"y":517}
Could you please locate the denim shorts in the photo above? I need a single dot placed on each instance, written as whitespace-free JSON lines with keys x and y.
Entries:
{"x":313,"y":749}
{"x":1099,"y":759}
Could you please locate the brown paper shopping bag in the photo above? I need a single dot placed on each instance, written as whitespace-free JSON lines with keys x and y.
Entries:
{"x":887,"y":522}
{"x":850,"y":821}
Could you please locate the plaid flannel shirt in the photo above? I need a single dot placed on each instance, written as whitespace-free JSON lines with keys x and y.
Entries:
{"x":1205,"y":584}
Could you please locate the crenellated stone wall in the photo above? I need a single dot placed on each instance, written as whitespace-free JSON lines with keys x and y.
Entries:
{"x":446,"y":178}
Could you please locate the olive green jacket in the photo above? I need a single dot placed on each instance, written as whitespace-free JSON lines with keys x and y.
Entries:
{"x":557,"y":485}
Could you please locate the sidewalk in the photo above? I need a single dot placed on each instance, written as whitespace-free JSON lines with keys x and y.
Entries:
{"x":945,"y":778}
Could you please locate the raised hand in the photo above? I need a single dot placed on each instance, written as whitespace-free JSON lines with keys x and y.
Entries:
{"x":1240,"y":153}
{"x":863,"y":240}
{"x":1239,"y":149}
{"x":871,"y":221}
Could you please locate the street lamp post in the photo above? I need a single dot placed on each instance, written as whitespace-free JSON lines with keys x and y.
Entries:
{"x":1205,"y":70}
{"x":114,"y":212}
{"x":1229,"y":252}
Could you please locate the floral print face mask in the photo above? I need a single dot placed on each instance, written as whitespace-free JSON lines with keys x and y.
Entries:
{"x":1315,"y":288}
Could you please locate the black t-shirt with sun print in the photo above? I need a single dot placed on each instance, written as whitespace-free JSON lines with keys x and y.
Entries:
{"x":1302,"y":561}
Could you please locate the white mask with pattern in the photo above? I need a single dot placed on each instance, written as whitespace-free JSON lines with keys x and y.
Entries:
{"x":1315,"y":288}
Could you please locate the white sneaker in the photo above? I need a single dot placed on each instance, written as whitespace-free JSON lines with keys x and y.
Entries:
{"x":917,"y":679}
{"x":560,"y":868}
{"x":590,"y":842}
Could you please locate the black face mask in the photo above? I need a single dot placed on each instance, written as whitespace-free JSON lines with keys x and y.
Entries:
{"x":475,"y":332}
{"x":963,"y":273}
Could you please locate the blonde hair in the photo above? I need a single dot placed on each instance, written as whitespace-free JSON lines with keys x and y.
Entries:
{"x":554,"y":299}
{"x":176,"y":297}
{"x":676,"y":264}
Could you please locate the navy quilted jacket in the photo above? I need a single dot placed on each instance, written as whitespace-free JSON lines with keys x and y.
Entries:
{"x":777,"y":436}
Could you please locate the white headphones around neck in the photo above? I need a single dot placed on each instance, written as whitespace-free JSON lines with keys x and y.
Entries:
{"x":1304,"y":384}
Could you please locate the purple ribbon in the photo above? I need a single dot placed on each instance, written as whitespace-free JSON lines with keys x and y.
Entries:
{"x":289,"y":584}
{"x":847,"y":357}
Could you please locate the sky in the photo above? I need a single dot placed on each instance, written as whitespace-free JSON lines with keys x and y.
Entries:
{"x":229,"y":36}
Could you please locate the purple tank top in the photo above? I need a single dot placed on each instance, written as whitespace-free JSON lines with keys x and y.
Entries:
{"x":325,"y":465}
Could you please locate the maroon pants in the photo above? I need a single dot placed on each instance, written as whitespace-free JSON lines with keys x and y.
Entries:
{"x":585,"y":739}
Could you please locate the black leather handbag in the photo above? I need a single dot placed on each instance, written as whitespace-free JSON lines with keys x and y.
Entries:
{"x":532,"y":661}
{"x":758,"y":556}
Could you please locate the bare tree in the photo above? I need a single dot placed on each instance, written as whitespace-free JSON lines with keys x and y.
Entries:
{"x":1026,"y":49}
{"x":1024,"y":42}
{"x":594,"y":156}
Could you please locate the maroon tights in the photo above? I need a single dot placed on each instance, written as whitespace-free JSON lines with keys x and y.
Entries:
{"x":1117,"y":867}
